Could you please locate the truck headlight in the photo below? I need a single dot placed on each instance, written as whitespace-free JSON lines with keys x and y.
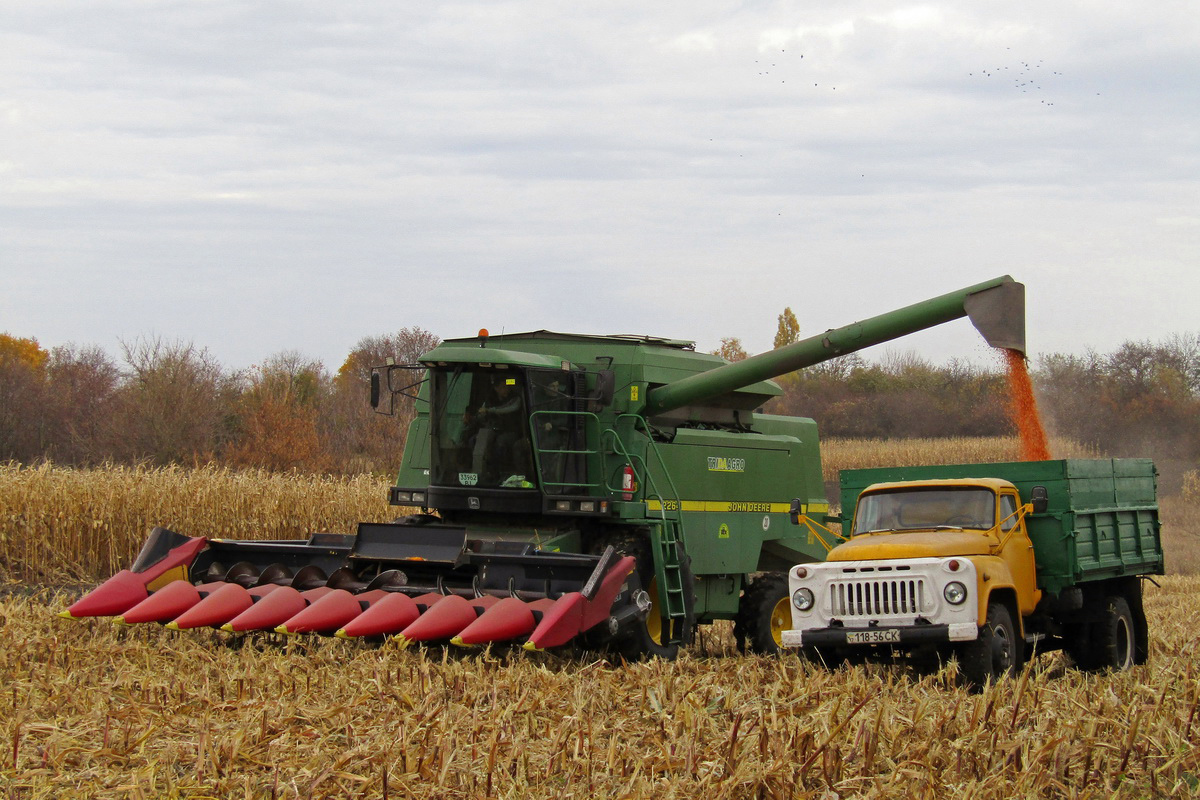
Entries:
{"x":955,"y":593}
{"x":803,"y":599}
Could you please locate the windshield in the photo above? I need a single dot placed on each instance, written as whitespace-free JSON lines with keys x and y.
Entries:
{"x":923,"y":509}
{"x":480,"y":433}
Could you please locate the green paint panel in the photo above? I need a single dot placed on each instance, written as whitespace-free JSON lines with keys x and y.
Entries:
{"x":739,"y":485}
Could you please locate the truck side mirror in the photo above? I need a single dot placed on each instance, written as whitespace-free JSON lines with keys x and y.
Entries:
{"x":796,"y":510}
{"x":374,"y":389}
{"x":1039,"y":498}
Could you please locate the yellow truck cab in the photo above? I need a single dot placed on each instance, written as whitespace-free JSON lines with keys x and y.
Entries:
{"x":948,"y":565}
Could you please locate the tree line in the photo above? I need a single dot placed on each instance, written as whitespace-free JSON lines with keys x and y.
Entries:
{"x":170,"y":402}
{"x":166,"y":402}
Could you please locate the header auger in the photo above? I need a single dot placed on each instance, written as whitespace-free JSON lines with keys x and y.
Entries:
{"x":623,"y":487}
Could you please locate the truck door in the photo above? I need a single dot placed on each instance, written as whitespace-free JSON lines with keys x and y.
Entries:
{"x":1018,"y":553}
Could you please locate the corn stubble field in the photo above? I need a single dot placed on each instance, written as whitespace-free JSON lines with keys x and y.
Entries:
{"x":95,"y":710}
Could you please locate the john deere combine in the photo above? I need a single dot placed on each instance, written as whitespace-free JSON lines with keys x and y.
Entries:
{"x":619,"y":488}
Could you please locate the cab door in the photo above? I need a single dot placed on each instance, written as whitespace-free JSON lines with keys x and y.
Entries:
{"x":1018,"y":552}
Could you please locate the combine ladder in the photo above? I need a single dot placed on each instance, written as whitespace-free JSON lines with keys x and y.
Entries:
{"x":666,"y":547}
{"x":669,"y":575}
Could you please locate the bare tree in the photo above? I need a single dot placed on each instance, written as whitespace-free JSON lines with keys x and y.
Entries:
{"x":83,"y":385}
{"x":173,"y":403}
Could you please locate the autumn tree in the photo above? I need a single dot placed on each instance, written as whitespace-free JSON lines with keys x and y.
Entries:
{"x":731,"y":349}
{"x":23,"y":396}
{"x":277,"y":415}
{"x":902,"y":396}
{"x":788,"y":331}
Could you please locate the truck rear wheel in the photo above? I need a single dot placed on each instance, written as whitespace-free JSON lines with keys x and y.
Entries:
{"x":1116,"y":640}
{"x":1079,"y":643}
{"x":764,"y":614}
{"x":996,"y":653}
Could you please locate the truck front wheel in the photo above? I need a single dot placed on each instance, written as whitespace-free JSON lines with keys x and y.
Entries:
{"x":764,"y":614}
{"x":1116,"y":641}
{"x":995,"y":654}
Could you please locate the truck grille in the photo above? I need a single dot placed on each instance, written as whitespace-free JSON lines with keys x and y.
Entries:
{"x":877,"y":597}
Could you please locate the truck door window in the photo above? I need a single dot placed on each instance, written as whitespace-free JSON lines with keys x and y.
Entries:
{"x":1008,"y":511}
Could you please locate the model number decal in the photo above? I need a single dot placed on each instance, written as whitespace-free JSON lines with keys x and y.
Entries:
{"x":723,"y":464}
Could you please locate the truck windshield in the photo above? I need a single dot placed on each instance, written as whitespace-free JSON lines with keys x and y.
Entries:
{"x":912,"y":509}
{"x":480,"y":433}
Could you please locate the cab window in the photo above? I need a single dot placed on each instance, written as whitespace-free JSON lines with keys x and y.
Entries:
{"x":480,"y":434}
{"x":1008,"y":511}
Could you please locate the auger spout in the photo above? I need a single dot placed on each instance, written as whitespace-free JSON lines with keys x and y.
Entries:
{"x":995,"y":307}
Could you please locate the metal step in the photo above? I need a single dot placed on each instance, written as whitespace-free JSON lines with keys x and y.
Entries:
{"x":667,"y":562}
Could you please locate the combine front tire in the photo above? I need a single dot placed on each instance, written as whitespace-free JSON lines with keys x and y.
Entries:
{"x":764,"y":614}
{"x":643,"y":638}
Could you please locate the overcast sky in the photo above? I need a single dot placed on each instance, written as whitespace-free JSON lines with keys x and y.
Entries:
{"x":262,"y":176}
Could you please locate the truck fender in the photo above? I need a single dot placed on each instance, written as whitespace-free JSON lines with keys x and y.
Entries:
{"x":1007,"y":596}
{"x":996,"y":584}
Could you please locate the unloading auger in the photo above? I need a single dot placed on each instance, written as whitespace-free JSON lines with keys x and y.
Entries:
{"x":623,"y":487}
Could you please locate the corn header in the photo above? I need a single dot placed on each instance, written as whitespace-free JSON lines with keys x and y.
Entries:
{"x":614,"y":490}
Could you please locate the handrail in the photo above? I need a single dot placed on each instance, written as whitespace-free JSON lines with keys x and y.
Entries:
{"x":653,"y":491}
{"x":538,"y":450}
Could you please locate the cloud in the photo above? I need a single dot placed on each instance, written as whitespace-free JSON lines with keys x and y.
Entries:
{"x":263,"y":178}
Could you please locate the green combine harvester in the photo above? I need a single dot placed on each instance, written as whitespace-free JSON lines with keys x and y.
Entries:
{"x":610,"y":490}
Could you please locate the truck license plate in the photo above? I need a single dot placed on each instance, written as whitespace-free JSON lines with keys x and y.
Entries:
{"x":887,"y":636}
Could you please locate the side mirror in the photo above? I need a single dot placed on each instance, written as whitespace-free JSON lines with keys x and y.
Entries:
{"x":602,"y":395}
{"x":1039,"y":498}
{"x":374,"y":389}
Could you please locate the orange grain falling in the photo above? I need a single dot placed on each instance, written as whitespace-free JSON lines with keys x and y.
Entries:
{"x":1024,"y":411}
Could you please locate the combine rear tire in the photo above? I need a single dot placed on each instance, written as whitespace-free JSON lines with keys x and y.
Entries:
{"x":641,"y":639}
{"x":764,"y":614}
{"x":995,"y":654}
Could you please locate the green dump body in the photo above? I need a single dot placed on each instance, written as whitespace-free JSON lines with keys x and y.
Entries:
{"x":1101,"y":519}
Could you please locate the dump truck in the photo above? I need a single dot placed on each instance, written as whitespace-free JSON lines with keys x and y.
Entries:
{"x":988,"y":562}
{"x":610,"y":491}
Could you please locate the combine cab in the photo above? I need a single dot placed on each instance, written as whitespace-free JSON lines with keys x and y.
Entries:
{"x":622,"y":487}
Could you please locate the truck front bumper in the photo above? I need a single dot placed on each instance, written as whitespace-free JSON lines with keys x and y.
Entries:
{"x":888,"y":635}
